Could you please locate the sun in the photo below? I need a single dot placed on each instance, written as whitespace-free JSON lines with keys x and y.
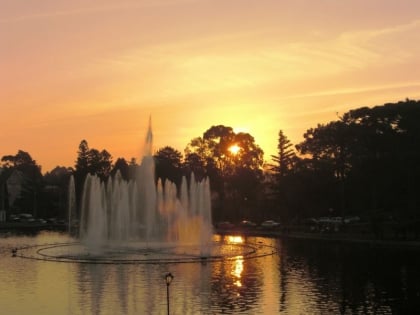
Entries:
{"x":234,"y":149}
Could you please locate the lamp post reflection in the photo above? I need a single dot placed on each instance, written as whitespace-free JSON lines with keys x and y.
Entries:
{"x":168,"y":279}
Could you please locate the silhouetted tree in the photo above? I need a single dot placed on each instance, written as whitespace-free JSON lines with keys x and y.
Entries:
{"x":90,"y":161}
{"x":370,"y":156}
{"x":282,"y":182}
{"x":168,"y":163}
{"x":82,"y":162}
{"x":225,"y":167}
{"x":121,"y":165}
{"x":286,"y":157}
{"x":132,"y":167}
{"x":32,"y":185}
{"x":81,"y":169}
{"x":99,"y":163}
{"x":194,"y":163}
{"x":55,"y":195}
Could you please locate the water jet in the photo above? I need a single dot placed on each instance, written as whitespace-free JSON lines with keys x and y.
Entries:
{"x":144,"y":210}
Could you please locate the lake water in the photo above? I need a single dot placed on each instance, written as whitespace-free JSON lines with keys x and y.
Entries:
{"x":302,"y":277}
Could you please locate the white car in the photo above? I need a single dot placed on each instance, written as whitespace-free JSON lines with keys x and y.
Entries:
{"x":270,"y":224}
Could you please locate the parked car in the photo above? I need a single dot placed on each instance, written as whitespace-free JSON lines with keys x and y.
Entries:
{"x":52,"y":220}
{"x":26,"y":217}
{"x":14,"y":218}
{"x":270,"y":224}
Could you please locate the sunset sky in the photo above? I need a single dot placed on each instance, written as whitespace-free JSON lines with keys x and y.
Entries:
{"x":97,"y":69}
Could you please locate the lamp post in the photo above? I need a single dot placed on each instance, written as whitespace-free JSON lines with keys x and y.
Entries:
{"x":168,"y":279}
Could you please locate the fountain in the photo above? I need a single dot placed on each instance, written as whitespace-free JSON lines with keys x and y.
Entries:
{"x":143,"y":221}
{"x":71,"y":204}
{"x":119,"y":212}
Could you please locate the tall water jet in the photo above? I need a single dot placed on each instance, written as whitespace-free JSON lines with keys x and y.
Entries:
{"x":143,"y":210}
{"x":71,"y":206}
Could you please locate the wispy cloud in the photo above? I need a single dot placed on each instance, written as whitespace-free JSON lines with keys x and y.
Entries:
{"x":227,"y":62}
{"x":354,"y":90}
{"x":99,"y":7}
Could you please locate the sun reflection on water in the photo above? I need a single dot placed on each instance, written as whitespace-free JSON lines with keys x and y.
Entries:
{"x":235,"y":239}
{"x":238,"y":268}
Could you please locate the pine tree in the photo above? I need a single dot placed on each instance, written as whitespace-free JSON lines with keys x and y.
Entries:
{"x":286,"y":157}
{"x":82,"y":162}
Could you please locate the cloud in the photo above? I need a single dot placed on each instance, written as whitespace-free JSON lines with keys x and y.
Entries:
{"x":100,"y":7}
{"x":243,"y":62}
{"x":356,"y":90}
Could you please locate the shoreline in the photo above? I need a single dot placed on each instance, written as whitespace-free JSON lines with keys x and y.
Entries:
{"x":30,"y":227}
{"x":336,"y":237}
{"x":368,"y":240}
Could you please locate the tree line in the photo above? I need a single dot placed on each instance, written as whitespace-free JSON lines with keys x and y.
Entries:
{"x":364,"y":163}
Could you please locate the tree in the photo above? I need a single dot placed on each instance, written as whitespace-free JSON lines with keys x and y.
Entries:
{"x":216,"y":144}
{"x":132,"y":168}
{"x":250,"y":155}
{"x":286,"y":157}
{"x":100,"y":163}
{"x":82,"y":162}
{"x":331,"y":143}
{"x":332,"y":148}
{"x":194,"y":163}
{"x":33,"y":180}
{"x":282,"y":183}
{"x":121,"y":165}
{"x":55,"y":194}
{"x":81,"y":169}
{"x":369,"y":158}
{"x":168,"y":163}
{"x":226,"y":167}
{"x":90,"y":161}
{"x":23,"y":162}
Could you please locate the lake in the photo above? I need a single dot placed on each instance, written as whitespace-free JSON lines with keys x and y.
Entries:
{"x":301,"y":277}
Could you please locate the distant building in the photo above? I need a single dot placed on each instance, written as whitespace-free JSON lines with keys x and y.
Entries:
{"x":4,"y":204}
{"x":11,"y":184}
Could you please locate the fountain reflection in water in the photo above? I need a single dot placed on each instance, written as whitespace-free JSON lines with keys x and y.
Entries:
{"x":159,"y":214}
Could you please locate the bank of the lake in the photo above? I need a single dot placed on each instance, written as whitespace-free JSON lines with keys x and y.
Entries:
{"x":366,"y":238}
{"x":25,"y":227}
{"x":296,"y":232}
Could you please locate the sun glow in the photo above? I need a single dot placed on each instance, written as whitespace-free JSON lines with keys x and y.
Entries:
{"x":234,"y":149}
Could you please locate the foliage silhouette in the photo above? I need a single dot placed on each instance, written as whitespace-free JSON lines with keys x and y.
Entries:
{"x":364,"y":163}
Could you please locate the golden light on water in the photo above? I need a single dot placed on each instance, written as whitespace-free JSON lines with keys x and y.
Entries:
{"x":235,"y":239}
{"x":238,"y":268}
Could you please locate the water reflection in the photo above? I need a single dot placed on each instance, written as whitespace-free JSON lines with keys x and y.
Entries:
{"x":345,"y":279}
{"x":233,"y":239}
{"x":303,"y":277}
{"x":237,"y":283}
{"x":237,"y":270}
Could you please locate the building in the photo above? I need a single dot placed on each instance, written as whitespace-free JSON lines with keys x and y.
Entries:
{"x":11,"y":183}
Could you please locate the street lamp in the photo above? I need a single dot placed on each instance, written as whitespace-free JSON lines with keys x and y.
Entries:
{"x":168,"y":279}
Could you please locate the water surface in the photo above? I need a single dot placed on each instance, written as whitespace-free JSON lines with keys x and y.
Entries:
{"x":302,"y":277}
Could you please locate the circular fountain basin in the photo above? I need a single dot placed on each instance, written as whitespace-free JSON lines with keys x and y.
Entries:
{"x":143,"y":253}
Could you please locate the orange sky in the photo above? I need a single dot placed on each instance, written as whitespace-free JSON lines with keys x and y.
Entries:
{"x":96,"y":70}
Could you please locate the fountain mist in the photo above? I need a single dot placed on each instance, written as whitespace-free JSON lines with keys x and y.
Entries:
{"x":71,"y":206}
{"x":118,"y":211}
